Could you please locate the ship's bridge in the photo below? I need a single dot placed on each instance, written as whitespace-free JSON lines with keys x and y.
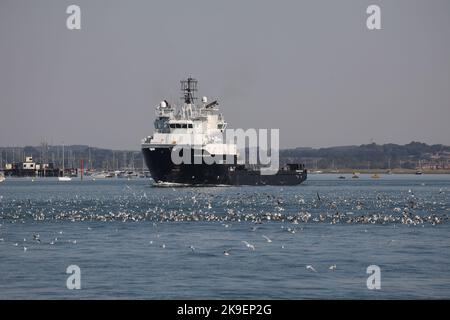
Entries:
{"x":181,"y":124}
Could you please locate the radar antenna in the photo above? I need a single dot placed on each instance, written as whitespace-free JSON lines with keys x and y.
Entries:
{"x":189,"y":87}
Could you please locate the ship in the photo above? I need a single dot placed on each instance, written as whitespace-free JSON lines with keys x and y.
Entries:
{"x":199,"y":128}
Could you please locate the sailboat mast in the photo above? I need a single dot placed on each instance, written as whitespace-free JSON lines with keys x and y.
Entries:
{"x":63,"y":158}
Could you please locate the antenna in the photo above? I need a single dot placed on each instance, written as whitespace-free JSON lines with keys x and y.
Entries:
{"x":189,"y":87}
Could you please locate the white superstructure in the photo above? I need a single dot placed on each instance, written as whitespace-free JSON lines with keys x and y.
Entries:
{"x":196,"y":126}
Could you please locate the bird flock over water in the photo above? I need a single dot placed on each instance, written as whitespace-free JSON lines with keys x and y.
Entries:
{"x":257,"y":207}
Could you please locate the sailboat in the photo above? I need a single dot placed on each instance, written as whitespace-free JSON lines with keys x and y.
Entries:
{"x":64,"y":178}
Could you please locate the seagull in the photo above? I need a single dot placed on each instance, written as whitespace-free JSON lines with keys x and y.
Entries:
{"x":267,"y":238}
{"x":150,"y":242}
{"x":89,"y":228}
{"x":248,"y":245}
{"x":226,"y":252}
{"x":332,"y":267}
{"x":163,"y":246}
{"x":16,"y":244}
{"x":192,"y":248}
{"x":309,"y":267}
{"x":24,"y":248}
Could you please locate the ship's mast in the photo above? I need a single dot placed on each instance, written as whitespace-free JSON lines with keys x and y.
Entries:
{"x":189,"y":87}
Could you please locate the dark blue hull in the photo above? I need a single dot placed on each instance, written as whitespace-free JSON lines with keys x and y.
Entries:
{"x":162,"y":169}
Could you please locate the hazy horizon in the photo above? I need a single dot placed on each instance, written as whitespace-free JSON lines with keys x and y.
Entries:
{"x":310,"y":68}
{"x":138,"y":150}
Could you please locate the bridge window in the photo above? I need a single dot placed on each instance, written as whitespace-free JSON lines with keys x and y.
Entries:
{"x":190,"y":125}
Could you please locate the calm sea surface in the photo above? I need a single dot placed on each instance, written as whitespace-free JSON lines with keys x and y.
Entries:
{"x":132,"y":240}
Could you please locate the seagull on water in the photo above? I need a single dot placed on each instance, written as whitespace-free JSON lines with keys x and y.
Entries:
{"x":309,"y":267}
{"x":267,"y":238}
{"x":332,"y":267}
{"x":192,"y":248}
{"x":226,"y":252}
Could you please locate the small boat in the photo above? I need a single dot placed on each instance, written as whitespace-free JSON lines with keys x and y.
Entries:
{"x":375,"y":176}
{"x":128,"y":174}
{"x":2,"y":177}
{"x":419,"y":172}
{"x":355,"y":175}
{"x":103,"y":175}
{"x":341,"y":177}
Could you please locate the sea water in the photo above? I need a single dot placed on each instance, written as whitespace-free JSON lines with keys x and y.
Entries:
{"x":131,"y":240}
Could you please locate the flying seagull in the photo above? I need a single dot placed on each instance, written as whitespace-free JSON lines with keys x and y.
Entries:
{"x":248,"y":245}
{"x":309,"y":267}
